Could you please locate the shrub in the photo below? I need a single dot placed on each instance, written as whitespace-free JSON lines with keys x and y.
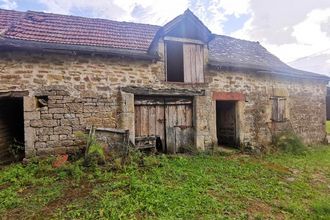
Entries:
{"x":289,"y":142}
{"x":95,"y":155}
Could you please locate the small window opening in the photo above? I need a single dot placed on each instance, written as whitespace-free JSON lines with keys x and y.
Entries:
{"x":174,"y":57}
{"x":42,"y":101}
{"x":278,"y":109}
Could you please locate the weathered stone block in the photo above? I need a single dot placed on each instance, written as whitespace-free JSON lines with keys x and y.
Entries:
{"x":54,"y":137}
{"x":46,"y":116}
{"x":39,"y":145}
{"x":32,"y":115}
{"x":43,"y":123}
{"x":30,"y":103}
{"x":58,"y":110}
{"x":63,"y":137}
{"x":63,"y":130}
{"x":43,"y":131}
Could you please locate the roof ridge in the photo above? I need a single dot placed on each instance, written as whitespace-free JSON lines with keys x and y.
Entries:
{"x":88,"y":18}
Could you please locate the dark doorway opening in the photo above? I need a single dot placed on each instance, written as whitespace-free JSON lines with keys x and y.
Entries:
{"x":226,"y":123}
{"x":11,"y":129}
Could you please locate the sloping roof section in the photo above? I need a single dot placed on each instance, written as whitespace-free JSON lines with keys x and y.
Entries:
{"x":8,"y":18}
{"x":62,"y":32}
{"x":73,"y":30}
{"x":226,"y":51}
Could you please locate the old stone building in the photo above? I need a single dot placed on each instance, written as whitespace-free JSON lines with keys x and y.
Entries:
{"x":179,"y":83}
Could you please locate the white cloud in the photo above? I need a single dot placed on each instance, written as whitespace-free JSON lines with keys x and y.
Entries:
{"x":215,"y":13}
{"x":309,"y":31}
{"x":309,"y":37}
{"x":8,"y":4}
{"x":288,"y":28}
{"x":144,"y":11}
{"x":235,"y":7}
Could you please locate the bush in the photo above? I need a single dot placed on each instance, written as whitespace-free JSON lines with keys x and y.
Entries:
{"x":289,"y":142}
{"x":95,"y":155}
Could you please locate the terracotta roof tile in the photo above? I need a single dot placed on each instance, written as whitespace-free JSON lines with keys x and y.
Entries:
{"x":8,"y":18}
{"x":73,"y":30}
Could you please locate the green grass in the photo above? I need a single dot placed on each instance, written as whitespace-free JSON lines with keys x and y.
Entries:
{"x":328,"y":126}
{"x":171,"y":187}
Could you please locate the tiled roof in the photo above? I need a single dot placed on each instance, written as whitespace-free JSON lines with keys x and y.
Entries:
{"x":8,"y":18}
{"x":73,"y":30}
{"x":229,"y":51}
{"x":54,"y":29}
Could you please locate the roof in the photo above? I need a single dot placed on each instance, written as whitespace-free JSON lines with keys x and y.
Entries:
{"x":8,"y":18}
{"x":38,"y":29}
{"x":73,"y":30}
{"x":231,"y":52}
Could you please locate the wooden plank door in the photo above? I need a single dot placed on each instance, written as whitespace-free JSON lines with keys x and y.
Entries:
{"x":168,"y":118}
{"x":179,"y":126}
{"x":150,"y":118}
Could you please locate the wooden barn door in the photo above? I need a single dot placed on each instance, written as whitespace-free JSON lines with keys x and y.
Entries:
{"x":179,"y":124}
{"x":168,"y":118}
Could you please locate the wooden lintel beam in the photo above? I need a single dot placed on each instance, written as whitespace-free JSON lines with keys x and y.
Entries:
{"x":163,"y":92}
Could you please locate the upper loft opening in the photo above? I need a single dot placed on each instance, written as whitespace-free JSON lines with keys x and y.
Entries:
{"x":174,"y":64}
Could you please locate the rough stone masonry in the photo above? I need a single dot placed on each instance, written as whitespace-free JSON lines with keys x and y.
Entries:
{"x":81,"y":91}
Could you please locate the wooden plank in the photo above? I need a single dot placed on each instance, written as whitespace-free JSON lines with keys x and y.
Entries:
{"x":144,"y":121}
{"x":278,"y":109}
{"x":187,"y":65}
{"x":171,"y":119}
{"x":5,"y":139}
{"x":281,"y":109}
{"x":189,"y":115}
{"x":160,"y":124}
{"x":193,"y":63}
{"x":149,"y":91}
{"x":199,"y":64}
{"x":153,"y":101}
{"x":178,"y":101}
{"x":137,"y":120}
{"x":181,"y":118}
{"x":193,"y":56}
{"x":152,"y":120}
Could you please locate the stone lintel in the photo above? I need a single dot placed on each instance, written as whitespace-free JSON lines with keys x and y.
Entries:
{"x":228,"y":96}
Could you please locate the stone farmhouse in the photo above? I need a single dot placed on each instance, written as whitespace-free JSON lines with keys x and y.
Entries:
{"x":176,"y":85}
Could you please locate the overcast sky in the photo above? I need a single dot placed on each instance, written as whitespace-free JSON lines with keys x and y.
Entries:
{"x":288,"y":28}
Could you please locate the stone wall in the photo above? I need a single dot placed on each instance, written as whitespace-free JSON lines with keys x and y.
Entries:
{"x":53,"y":118}
{"x":83,"y":90}
{"x":305,"y":105}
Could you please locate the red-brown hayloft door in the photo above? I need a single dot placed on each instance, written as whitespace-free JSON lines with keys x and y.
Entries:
{"x":169,"y":118}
